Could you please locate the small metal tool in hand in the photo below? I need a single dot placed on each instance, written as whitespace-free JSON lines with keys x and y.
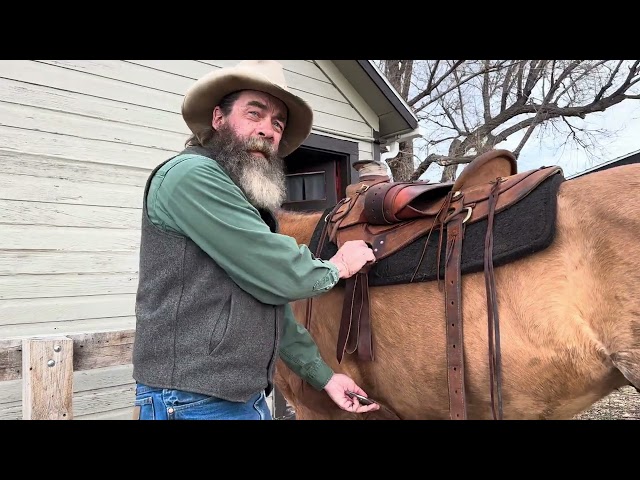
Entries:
{"x":361,"y":399}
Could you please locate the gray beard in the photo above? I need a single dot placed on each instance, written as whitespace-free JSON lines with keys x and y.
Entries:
{"x":262,"y":180}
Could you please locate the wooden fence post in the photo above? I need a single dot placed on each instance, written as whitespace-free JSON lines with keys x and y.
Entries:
{"x":47,"y":378}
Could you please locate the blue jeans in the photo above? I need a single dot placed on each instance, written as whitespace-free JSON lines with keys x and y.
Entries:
{"x":167,"y":404}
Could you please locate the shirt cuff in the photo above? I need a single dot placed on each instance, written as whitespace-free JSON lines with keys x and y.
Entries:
{"x":319,"y":375}
{"x":327,"y":282}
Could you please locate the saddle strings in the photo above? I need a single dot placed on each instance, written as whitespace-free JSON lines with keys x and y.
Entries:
{"x":493,"y":323}
{"x":438,"y":222}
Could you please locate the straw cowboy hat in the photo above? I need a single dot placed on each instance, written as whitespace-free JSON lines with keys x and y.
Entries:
{"x":263,"y":75}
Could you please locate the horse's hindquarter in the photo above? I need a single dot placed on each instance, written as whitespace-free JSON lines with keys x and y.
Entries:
{"x":564,"y":310}
{"x":601,"y":213}
{"x":557,"y":314}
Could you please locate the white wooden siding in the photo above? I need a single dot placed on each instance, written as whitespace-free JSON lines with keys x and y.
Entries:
{"x":70,"y":308}
{"x":77,"y":142}
{"x":102,"y":393}
{"x":86,"y":325}
{"x":65,"y":168}
{"x":365,"y":151}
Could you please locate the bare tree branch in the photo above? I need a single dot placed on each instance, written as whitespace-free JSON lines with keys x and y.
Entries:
{"x":612,"y":77}
{"x":423,"y":166}
{"x":555,"y":85}
{"x":459,"y":82}
{"x":447,"y":112}
{"x":547,"y":99}
{"x":461,"y":109}
{"x":533,"y":122}
{"x":507,"y":85}
{"x":470,"y":106}
{"x":486,"y":94}
{"x":532,"y":78}
{"x":430,"y":84}
{"x":446,"y":161}
{"x":441,"y":140}
{"x":633,"y":71}
{"x":571,"y":85}
{"x":435,"y":84}
{"x":520,"y":77}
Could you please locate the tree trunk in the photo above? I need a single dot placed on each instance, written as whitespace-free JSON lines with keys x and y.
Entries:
{"x":402,"y":164}
{"x":449,"y":173}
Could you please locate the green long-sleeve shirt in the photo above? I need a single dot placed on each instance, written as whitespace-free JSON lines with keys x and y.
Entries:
{"x":192,"y":196}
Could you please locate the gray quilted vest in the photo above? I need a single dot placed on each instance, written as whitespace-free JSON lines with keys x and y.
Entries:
{"x":196,"y":330}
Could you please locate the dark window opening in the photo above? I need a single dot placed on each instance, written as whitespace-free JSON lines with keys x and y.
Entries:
{"x":306,"y":186}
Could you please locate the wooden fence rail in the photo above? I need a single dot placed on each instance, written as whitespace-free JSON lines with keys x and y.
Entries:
{"x":46,"y":365}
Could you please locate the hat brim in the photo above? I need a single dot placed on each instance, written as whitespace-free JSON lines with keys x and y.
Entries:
{"x":206,"y":93}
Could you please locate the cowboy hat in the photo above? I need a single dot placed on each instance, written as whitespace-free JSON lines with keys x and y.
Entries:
{"x":263,"y":75}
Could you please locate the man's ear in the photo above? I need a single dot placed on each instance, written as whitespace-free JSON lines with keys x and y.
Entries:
{"x":218,"y":118}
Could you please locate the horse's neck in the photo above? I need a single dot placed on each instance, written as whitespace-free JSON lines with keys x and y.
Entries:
{"x":298,"y":225}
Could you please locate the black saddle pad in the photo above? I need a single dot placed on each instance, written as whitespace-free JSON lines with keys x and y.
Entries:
{"x":521,"y":230}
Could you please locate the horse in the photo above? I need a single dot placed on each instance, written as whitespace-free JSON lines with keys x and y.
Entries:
{"x":569,"y":319}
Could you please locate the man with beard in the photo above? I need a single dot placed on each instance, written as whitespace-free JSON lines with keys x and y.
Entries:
{"x":216,"y":277}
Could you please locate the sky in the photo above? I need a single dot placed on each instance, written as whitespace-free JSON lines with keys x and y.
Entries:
{"x":623,"y":119}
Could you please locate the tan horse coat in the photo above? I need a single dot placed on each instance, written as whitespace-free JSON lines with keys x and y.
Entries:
{"x":569,"y":320}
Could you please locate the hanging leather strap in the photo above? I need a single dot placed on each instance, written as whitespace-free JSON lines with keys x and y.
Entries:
{"x":493,"y":324}
{"x":453,"y":313}
{"x":355,"y":325}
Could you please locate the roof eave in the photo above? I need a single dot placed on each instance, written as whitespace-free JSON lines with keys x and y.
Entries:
{"x":395,"y":117}
{"x":390,"y":93}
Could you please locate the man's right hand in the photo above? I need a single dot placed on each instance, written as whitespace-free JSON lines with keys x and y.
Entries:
{"x":351,"y":257}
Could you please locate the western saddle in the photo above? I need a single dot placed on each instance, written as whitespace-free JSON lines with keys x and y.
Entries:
{"x":390,"y":215}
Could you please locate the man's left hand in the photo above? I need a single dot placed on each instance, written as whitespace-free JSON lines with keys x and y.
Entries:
{"x":337,"y":389}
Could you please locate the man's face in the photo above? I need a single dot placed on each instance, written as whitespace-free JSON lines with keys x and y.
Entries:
{"x":255,"y":115}
{"x":246,"y":145}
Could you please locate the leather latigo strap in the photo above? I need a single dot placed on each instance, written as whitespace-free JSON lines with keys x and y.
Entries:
{"x":355,"y":324}
{"x":453,"y":313}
